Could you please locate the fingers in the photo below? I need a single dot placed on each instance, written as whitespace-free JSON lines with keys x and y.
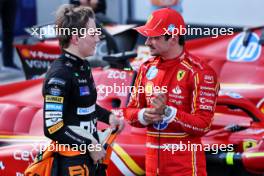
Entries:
{"x":161,"y":97}
{"x":121,"y":126}
{"x":151,"y":111}
{"x":152,"y":117}
{"x":97,"y":156}
{"x":159,"y":100}
{"x":116,"y":123}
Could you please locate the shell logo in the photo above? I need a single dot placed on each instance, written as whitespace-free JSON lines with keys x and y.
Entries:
{"x":149,"y":88}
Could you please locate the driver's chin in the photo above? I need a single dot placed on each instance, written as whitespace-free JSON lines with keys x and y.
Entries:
{"x":153,"y":53}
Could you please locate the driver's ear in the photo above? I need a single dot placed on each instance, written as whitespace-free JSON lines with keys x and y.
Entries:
{"x":74,"y":40}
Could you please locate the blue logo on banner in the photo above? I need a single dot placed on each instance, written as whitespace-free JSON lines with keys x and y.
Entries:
{"x":237,"y":52}
{"x":161,"y":125}
{"x":84,"y":90}
{"x":53,"y":106}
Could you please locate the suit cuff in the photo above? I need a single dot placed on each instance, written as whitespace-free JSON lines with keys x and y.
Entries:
{"x":141,"y":117}
{"x":170,"y":114}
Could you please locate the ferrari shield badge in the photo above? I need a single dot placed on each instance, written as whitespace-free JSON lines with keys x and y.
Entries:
{"x":180,"y":75}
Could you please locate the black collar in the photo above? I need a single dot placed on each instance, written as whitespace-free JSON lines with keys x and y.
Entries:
{"x":73,"y":58}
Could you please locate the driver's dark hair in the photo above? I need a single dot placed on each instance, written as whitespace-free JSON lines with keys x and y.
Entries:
{"x":181,"y":39}
{"x":71,"y":17}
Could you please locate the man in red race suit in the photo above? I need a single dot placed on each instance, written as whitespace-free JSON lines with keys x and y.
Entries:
{"x":174,"y":97}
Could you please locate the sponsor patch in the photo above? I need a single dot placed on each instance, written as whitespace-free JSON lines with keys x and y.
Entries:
{"x":160,"y":126}
{"x":208,"y":94}
{"x":56,"y":127}
{"x":209,"y":79}
{"x":57,"y":81}
{"x":86,"y":110}
{"x":176,"y":96}
{"x":149,"y":88}
{"x":205,"y":107}
{"x":89,"y":126}
{"x":53,"y":114}
{"x":55,"y":91}
{"x":84,"y":90}
{"x":205,"y":100}
{"x":171,"y":27}
{"x":82,"y":81}
{"x":53,"y":107}
{"x":207,"y":88}
{"x":177,"y":90}
{"x":177,"y":102}
{"x":152,"y":72}
{"x":180,"y":75}
{"x":52,"y":121}
{"x":54,"y":99}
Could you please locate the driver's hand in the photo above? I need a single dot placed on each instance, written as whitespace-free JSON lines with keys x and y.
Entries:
{"x":151,"y":115}
{"x":116,"y":123}
{"x":159,"y":103}
{"x":97,"y":155}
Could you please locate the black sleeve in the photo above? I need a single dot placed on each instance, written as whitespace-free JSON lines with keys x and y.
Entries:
{"x":102,"y":114}
{"x":56,"y":90}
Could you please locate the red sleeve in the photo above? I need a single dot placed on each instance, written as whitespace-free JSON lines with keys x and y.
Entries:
{"x":204,"y":97}
{"x":137,"y":100}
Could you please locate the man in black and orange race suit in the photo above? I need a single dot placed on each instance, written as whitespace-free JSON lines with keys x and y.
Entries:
{"x":174,"y":97}
{"x":70,"y":109}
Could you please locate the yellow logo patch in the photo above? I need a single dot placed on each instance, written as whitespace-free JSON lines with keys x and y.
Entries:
{"x":249,"y":143}
{"x":180,"y":75}
{"x":149,"y":88}
{"x":54,"y":99}
{"x":55,"y":128}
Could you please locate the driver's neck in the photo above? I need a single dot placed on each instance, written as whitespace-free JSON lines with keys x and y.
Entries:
{"x":74,"y":51}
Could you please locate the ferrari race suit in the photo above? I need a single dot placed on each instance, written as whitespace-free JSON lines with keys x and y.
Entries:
{"x":191,"y":88}
{"x":70,"y":100}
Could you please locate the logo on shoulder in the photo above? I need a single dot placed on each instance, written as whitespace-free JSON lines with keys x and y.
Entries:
{"x":55,"y":91}
{"x":57,"y":81}
{"x":53,"y":99}
{"x":84,"y":90}
{"x":53,"y":107}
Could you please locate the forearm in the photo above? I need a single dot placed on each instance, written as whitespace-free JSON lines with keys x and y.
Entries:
{"x":102,"y":114}
{"x":134,"y":117}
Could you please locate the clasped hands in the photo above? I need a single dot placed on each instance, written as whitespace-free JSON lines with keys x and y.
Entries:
{"x":156,"y":112}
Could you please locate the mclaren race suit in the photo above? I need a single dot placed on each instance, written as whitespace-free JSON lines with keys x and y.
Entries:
{"x":70,"y":100}
{"x":191,"y":88}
